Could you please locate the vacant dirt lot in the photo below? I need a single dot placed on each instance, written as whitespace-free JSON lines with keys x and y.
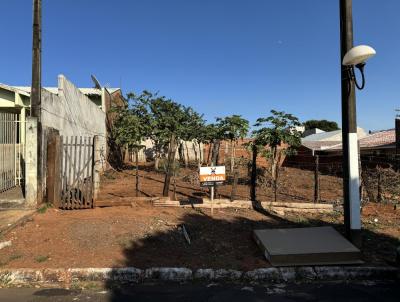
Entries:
{"x":294,"y":185}
{"x":144,"y":236}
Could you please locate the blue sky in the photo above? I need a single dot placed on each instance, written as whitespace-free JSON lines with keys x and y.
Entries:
{"x":221,"y":57}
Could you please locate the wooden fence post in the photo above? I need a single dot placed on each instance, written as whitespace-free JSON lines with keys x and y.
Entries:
{"x":316,"y":180}
{"x":235,"y":183}
{"x":379,"y":194}
{"x":53,"y":180}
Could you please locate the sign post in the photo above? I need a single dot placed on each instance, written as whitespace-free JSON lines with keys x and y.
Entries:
{"x":212,"y":200}
{"x":210,"y":177}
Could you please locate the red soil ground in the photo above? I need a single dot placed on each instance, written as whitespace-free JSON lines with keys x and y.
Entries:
{"x":144,"y":236}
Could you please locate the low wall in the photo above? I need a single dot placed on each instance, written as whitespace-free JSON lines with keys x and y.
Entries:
{"x":190,"y":150}
{"x":71,"y":113}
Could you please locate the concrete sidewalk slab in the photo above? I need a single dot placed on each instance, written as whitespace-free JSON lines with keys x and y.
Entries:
{"x":306,"y":246}
{"x":11,"y":218}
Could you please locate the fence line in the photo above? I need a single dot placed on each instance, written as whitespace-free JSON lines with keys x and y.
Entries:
{"x":11,"y":151}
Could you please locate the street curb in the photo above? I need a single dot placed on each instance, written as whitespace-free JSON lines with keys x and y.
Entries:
{"x":175,"y":274}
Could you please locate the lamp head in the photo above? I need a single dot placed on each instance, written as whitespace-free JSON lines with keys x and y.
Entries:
{"x":358,"y":55}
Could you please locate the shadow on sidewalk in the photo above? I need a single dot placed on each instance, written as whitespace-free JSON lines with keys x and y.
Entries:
{"x":212,"y":246}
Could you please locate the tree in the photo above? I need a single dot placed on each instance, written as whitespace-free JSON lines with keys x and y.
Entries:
{"x":129,"y":130}
{"x":163,"y":116}
{"x":211,"y":134}
{"x":191,"y":130}
{"x":277,"y":135}
{"x":321,"y":124}
{"x":233,"y":128}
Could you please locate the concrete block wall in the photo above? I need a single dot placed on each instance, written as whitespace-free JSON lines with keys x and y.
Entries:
{"x":148,"y":153}
{"x":72,"y":112}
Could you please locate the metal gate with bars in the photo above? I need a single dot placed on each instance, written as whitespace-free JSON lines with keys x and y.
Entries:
{"x":12,"y":139}
{"x":76,"y":161}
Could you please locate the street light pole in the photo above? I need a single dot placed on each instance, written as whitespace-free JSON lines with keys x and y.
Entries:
{"x":351,"y":181}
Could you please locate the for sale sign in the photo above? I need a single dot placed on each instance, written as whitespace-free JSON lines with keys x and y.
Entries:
{"x":210,"y":176}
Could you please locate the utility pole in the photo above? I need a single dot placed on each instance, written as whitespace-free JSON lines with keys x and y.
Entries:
{"x":36,"y":88}
{"x":351,"y":181}
{"x":36,"y":91}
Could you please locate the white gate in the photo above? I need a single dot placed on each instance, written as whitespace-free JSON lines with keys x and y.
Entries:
{"x":12,"y":140}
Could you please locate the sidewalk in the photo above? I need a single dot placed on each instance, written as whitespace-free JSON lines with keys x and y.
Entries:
{"x":9,"y":218}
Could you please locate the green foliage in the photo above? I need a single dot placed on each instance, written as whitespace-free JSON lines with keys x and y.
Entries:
{"x":210,"y":132}
{"x":193,"y":125}
{"x":277,"y":136}
{"x":278,"y":130}
{"x":9,"y":259}
{"x":152,"y":116}
{"x":321,"y":124}
{"x":133,"y":123}
{"x":43,"y":208}
{"x":40,"y":259}
{"x":233,"y":127}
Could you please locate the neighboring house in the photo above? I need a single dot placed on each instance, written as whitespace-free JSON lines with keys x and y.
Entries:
{"x":74,"y":113}
{"x":378,"y":143}
{"x":324,"y":140}
{"x":376,"y":148}
{"x":311,"y":132}
{"x":331,"y":136}
{"x":322,"y":143}
{"x":16,"y":99}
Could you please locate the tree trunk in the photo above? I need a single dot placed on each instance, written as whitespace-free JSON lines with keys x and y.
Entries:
{"x":253,"y":179}
{"x":137,"y":172}
{"x":214,"y":160}
{"x":210,"y":147}
{"x":215,"y":152}
{"x":170,"y":162}
{"x":232,"y":155}
{"x":274,"y":171}
{"x":175,"y":183}
{"x":181,"y":153}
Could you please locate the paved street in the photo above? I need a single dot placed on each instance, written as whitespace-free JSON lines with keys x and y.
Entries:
{"x":364,"y":291}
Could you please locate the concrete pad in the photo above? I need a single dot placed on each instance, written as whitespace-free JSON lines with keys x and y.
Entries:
{"x":306,"y":246}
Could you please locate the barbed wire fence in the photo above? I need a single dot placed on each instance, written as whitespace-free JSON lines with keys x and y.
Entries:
{"x":304,"y":178}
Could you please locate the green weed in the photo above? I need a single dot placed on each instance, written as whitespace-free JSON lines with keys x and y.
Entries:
{"x":41,"y":258}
